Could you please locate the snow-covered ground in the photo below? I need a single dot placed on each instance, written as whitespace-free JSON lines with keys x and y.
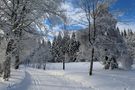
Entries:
{"x":75,"y":77}
{"x":101,"y":79}
{"x":17,"y":76}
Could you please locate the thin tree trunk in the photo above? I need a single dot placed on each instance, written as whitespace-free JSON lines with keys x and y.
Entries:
{"x":17,"y":57}
{"x":64,"y":62}
{"x":94,"y":37}
{"x":91,"y":62}
{"x":45,"y":65}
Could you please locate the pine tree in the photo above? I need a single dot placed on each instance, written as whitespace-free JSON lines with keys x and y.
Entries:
{"x":46,"y":53}
{"x":118,"y":30}
{"x":57,"y":48}
{"x":65,"y":47}
{"x":122,"y":33}
{"x":73,"y":48}
{"x":50,"y":48}
{"x":130,"y":32}
{"x":125,"y":33}
{"x":53,"y":49}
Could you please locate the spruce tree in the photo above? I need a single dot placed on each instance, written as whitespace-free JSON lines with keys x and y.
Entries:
{"x":73,"y":48}
{"x":57,"y":48}
{"x":125,"y":33}
{"x":53,"y":49}
{"x":65,"y":48}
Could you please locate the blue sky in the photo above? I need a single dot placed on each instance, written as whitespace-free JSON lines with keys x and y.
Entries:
{"x":127,"y":9}
{"x":126,"y":20}
{"x":125,"y":6}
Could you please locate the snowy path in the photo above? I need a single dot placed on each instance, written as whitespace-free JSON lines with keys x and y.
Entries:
{"x":75,"y":77}
{"x":41,"y":80}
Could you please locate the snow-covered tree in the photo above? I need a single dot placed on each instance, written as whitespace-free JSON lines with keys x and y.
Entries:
{"x":65,"y":47}
{"x":28,"y":43}
{"x":42,"y":55}
{"x":57,"y":48}
{"x":3,"y":45}
{"x":91,"y":9}
{"x":125,"y":33}
{"x":17,"y":15}
{"x":47,"y":56}
{"x":73,"y":47}
{"x":130,"y":41}
{"x":109,"y":44}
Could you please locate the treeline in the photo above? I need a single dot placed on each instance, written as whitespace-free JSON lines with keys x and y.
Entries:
{"x":63,"y":48}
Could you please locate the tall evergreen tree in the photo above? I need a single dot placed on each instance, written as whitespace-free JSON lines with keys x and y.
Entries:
{"x":65,"y":47}
{"x":125,"y":33}
{"x":57,"y":48}
{"x":73,"y":48}
{"x":130,"y":32}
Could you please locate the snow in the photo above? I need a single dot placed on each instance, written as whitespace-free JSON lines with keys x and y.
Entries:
{"x":16,"y":78}
{"x":75,"y":77}
{"x":101,"y":79}
{"x":36,"y":79}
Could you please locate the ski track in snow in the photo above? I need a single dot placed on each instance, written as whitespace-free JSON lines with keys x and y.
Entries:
{"x":40,"y":80}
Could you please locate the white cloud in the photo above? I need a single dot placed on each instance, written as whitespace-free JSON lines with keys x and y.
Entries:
{"x":54,"y":31}
{"x":75,"y":15}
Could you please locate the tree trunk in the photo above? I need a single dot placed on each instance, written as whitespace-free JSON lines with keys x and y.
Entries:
{"x":7,"y":62}
{"x":91,"y":62}
{"x":18,"y":35}
{"x":17,"y":57}
{"x":1,"y":69}
{"x":64,"y":62}
{"x":7,"y":71}
{"x":45,"y":65}
{"x":17,"y":62}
